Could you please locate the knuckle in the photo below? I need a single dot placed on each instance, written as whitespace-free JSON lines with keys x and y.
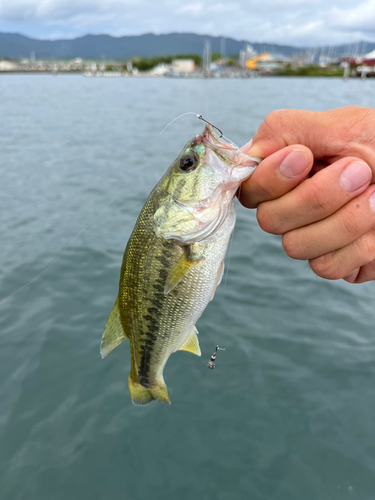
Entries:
{"x":366,"y":273}
{"x":293,"y":245}
{"x":325,"y":267}
{"x":265,"y":219}
{"x":348,"y":224}
{"x":366,"y":245}
{"x":351,"y":109}
{"x":315,"y":199}
{"x":275,"y":118}
{"x":353,"y":277}
{"x":263,"y":192}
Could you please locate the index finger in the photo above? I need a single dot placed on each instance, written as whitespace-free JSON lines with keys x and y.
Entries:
{"x":338,"y":132}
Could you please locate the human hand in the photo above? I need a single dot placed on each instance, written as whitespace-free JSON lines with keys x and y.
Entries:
{"x":313,"y":188}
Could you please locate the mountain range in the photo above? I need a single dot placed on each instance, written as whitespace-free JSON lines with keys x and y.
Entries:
{"x":16,"y":46}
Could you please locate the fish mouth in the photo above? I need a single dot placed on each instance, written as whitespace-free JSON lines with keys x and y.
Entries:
{"x":241,"y":166}
{"x":227,"y":151}
{"x":212,"y":140}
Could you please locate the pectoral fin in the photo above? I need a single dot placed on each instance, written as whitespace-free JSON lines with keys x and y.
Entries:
{"x":113,"y":333}
{"x":191,"y":344}
{"x":184,"y":264}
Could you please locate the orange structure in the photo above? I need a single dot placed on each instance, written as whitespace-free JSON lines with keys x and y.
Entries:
{"x":252,"y":63}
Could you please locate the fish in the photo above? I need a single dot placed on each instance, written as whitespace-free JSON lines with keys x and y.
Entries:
{"x":174,"y":260}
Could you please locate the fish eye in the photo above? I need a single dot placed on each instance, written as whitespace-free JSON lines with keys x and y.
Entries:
{"x":188,"y":162}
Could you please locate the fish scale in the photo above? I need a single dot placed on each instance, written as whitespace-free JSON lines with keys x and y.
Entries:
{"x":173,"y":261}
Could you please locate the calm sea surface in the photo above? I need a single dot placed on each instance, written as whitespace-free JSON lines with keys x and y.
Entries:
{"x":289,"y":411}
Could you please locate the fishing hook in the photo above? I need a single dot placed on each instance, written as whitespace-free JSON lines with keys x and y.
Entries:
{"x":200,"y":117}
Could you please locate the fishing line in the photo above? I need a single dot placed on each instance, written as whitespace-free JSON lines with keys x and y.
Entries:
{"x":54,"y":261}
{"x":229,"y":253}
{"x":231,"y":239}
{"x":230,"y":142}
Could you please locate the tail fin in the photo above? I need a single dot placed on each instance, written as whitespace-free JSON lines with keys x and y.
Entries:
{"x":144,"y":395}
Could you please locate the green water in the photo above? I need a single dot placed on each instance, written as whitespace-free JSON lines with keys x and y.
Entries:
{"x":289,"y":411}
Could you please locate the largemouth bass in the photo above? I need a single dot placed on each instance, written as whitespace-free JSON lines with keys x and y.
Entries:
{"x":174,"y":260}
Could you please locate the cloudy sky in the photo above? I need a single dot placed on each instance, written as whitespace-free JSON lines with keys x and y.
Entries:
{"x":295,"y":22}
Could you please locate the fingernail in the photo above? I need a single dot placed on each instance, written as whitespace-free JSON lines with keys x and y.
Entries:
{"x":246,"y":147}
{"x":372,"y":201}
{"x":294,"y":164}
{"x":354,"y":176}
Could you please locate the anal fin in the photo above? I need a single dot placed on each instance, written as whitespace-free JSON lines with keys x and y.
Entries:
{"x":113,"y":333}
{"x":191,"y":344}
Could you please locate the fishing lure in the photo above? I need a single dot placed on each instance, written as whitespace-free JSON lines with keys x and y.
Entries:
{"x":211,"y":363}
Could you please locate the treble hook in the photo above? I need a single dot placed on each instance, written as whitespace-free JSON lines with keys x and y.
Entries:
{"x":200,"y":117}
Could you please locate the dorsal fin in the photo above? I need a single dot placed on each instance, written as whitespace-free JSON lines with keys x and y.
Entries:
{"x":191,"y":344}
{"x":180,"y":270}
{"x":113,"y":333}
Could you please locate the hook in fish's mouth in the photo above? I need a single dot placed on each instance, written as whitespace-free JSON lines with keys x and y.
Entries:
{"x":200,"y":117}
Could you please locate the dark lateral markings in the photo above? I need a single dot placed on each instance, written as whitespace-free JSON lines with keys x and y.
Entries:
{"x":150,"y":336}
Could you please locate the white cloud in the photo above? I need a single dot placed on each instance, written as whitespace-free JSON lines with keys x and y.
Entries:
{"x":298,"y":22}
{"x":361,"y":17}
{"x":192,"y":8}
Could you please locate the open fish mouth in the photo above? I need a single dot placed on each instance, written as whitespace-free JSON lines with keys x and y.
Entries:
{"x":241,"y":166}
{"x":209,"y":136}
{"x":228,"y":152}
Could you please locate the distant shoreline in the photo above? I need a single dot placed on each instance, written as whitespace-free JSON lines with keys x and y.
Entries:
{"x":195,"y":77}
